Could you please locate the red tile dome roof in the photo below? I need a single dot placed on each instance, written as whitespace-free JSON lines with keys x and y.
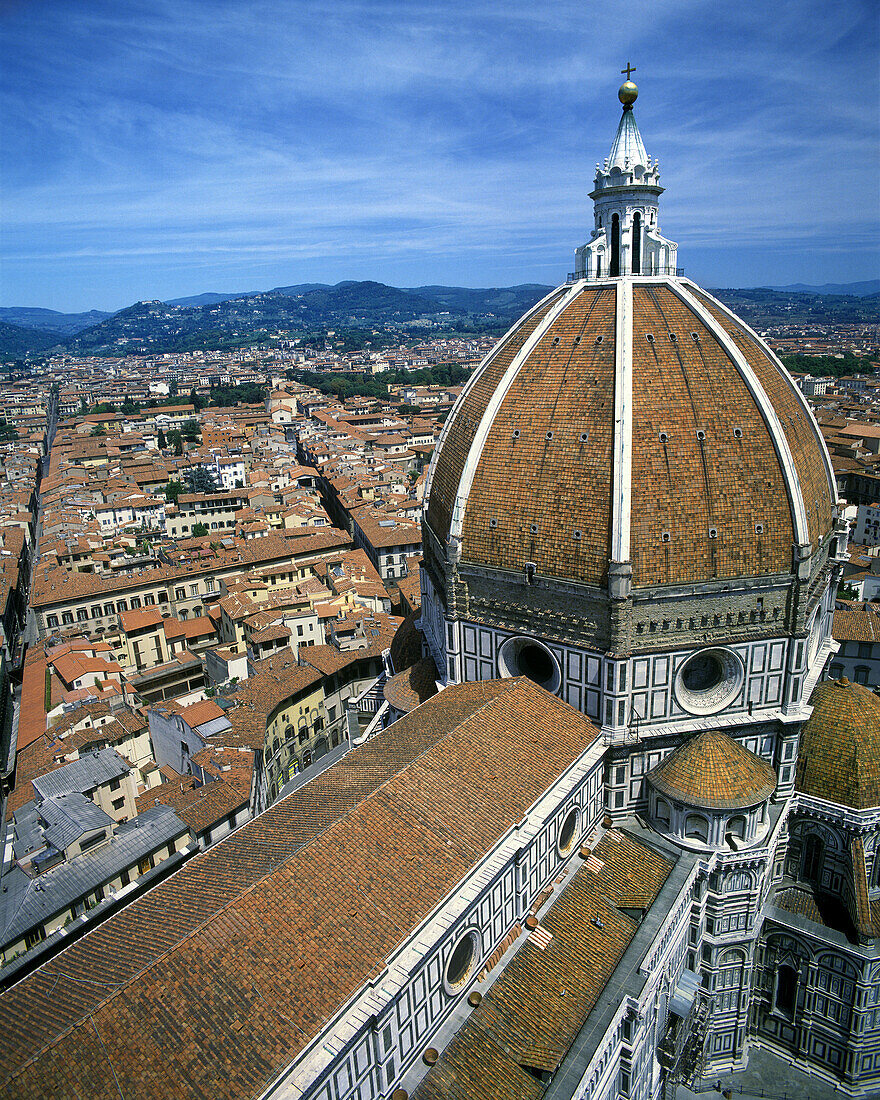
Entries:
{"x":632,"y":419}
{"x":713,"y":772}
{"x":839,"y":756}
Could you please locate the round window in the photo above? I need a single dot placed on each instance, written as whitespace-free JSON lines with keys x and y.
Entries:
{"x":708,"y":681}
{"x":531,"y":658}
{"x":569,"y":832}
{"x":462,"y":961}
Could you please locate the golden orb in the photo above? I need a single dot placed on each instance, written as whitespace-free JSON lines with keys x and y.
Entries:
{"x":628,"y":93}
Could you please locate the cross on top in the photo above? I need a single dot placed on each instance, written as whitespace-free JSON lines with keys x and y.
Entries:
{"x":629,"y":70}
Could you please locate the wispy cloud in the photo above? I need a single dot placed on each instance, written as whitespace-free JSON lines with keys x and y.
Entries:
{"x":152,"y":148}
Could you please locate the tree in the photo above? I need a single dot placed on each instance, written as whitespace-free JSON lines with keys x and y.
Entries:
{"x":173,"y":490}
{"x":176,"y":441}
{"x":191,"y":431}
{"x":200,"y":480}
{"x":247,"y":393}
{"x":828,"y":364}
{"x":7,"y":432}
{"x":199,"y":530}
{"x":174,"y":389}
{"x":99,"y":429}
{"x":163,"y":442}
{"x":846,"y":591}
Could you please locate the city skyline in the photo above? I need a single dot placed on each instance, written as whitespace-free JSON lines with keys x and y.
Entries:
{"x":158,"y":151}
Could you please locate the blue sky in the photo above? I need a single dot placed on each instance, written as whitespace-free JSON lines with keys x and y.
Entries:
{"x":157,"y":149}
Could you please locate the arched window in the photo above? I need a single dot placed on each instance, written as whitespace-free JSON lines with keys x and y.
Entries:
{"x":662,"y":812}
{"x":637,"y":245}
{"x":697,"y":828}
{"x":733,"y":957}
{"x":736,"y":827}
{"x":814,"y":853}
{"x":615,"y":245}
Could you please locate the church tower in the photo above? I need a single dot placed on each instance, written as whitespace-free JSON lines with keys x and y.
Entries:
{"x":626,"y":237}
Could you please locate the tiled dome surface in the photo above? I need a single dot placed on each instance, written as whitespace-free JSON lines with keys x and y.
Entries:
{"x":409,"y":689}
{"x":839,"y":757}
{"x":720,"y":485}
{"x":713,"y":772}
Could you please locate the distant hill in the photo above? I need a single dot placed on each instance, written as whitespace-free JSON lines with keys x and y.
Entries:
{"x":16,"y":341}
{"x":509,"y":301}
{"x":307,"y":307}
{"x":164,"y":327}
{"x":48,"y":320}
{"x":764,"y":306}
{"x":214,"y":320}
{"x":364,"y":300}
{"x":857,"y":290}
{"x":304,"y":288}
{"x":209,"y":298}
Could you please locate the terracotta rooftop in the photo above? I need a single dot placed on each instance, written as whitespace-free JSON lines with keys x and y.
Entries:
{"x":409,"y":689}
{"x":839,"y":758}
{"x":198,"y":807}
{"x":198,"y":713}
{"x":528,"y":476}
{"x":856,"y":622}
{"x":523,"y":1026}
{"x":714,"y":772}
{"x":234,"y":964}
{"x":139,"y":620}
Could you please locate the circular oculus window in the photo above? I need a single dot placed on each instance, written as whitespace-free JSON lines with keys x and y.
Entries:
{"x":568,"y":833}
{"x":462,"y":961}
{"x":529,"y":657}
{"x":708,"y":681}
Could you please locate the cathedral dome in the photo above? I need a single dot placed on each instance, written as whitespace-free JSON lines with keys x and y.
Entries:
{"x":839,"y":758}
{"x":713,"y":772}
{"x":631,"y":502}
{"x":631,"y":420}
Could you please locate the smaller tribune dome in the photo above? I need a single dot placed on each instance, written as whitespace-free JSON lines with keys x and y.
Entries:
{"x":713,"y":772}
{"x":839,"y":757}
{"x":406,"y":645}
{"x":408,"y":689}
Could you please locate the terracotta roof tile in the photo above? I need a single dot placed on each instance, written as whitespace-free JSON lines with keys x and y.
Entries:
{"x":856,"y":622}
{"x":536,"y":1007}
{"x":714,"y":772}
{"x":839,"y":757}
{"x":236,"y":961}
{"x":408,"y":689}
